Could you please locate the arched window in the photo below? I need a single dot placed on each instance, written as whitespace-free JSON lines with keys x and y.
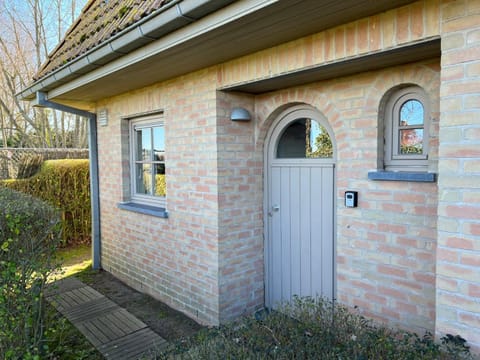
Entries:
{"x":304,"y":138}
{"x":407,"y":116}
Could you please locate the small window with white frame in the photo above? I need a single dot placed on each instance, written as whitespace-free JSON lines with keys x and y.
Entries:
{"x":147,"y":160}
{"x":407,"y":117}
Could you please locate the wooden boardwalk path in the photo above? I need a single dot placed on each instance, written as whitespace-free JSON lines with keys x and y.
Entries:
{"x":115,"y":332}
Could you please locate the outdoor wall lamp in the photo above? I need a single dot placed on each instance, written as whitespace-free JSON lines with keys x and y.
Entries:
{"x":240,"y":114}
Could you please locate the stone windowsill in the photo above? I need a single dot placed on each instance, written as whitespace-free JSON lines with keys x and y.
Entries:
{"x":144,"y":209}
{"x":402,"y":176}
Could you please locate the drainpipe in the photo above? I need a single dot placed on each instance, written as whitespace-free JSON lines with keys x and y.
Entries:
{"x":41,"y":101}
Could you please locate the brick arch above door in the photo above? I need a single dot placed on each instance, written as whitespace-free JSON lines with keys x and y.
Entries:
{"x":268,"y":107}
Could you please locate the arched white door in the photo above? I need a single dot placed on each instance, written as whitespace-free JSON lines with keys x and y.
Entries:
{"x":299,"y":207}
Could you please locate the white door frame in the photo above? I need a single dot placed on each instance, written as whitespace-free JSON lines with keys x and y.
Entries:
{"x":280,"y":123}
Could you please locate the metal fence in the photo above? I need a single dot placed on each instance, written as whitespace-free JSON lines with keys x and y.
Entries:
{"x":11,"y":158}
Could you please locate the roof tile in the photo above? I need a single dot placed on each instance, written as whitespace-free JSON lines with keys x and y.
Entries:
{"x":99,"y":21}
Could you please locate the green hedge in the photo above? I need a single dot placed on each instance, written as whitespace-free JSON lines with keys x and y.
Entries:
{"x":29,"y":236}
{"x":65,"y":185}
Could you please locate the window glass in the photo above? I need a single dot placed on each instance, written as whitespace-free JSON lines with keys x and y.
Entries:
{"x":410,"y":129}
{"x":411,"y":141}
{"x":160,"y":184}
{"x":411,"y":113}
{"x":144,"y":144}
{"x":159,"y":139}
{"x":304,"y":138}
{"x":149,"y":178}
{"x":143,"y":178}
{"x":406,"y":130}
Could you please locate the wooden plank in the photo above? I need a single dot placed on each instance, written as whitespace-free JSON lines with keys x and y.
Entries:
{"x":111,"y":326}
{"x":327,"y":232}
{"x":275,"y":279}
{"x":71,"y":301}
{"x":285,"y":228}
{"x":92,"y":333}
{"x":86,"y":293}
{"x":128,"y":320}
{"x":76,"y":297}
{"x":316,"y":215}
{"x":295,"y":230}
{"x":115,"y":332}
{"x":305,"y":234}
{"x":108,"y":328}
{"x":63,"y":285}
{"x":133,"y":346}
{"x":58,"y":303}
{"x":92,"y":309}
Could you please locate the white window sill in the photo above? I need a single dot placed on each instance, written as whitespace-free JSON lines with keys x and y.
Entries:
{"x":402,"y":176}
{"x":144,"y":209}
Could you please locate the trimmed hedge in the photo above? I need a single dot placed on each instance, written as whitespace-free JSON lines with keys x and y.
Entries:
{"x":64,"y":184}
{"x":29,"y":236}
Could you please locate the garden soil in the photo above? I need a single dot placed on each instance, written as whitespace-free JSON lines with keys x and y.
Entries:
{"x":168,"y":323}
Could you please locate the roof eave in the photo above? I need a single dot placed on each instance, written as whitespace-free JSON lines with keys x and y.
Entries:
{"x":168,"y":19}
{"x":227,"y":32}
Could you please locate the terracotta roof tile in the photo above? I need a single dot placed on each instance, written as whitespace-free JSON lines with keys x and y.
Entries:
{"x":99,"y":21}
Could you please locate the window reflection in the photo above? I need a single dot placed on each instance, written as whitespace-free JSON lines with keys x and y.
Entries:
{"x":159,"y":144}
{"x":159,"y":188}
{"x":411,"y":113}
{"x":150,"y":161}
{"x":411,"y":141}
{"x":305,"y":138}
{"x":411,"y":128}
{"x":145,"y":138}
{"x":144,"y":179}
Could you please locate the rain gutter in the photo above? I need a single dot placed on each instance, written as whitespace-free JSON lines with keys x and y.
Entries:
{"x":167,"y":19}
{"x":42,"y":101}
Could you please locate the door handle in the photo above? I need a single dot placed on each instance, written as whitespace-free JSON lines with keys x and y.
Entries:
{"x":275,"y":208}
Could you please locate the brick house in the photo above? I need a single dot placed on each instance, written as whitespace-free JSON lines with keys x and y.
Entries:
{"x":228,"y":135}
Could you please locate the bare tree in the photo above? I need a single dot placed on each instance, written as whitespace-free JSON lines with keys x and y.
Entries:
{"x":29,"y":30}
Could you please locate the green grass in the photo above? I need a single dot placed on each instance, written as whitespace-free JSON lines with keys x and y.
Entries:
{"x":74,"y":255}
{"x":86,"y":275}
{"x":74,"y":260}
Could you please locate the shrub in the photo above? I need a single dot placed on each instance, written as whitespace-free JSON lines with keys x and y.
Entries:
{"x":29,"y":164}
{"x":160,"y":185}
{"x":314,"y":328}
{"x":29,"y":235}
{"x":64,"y":184}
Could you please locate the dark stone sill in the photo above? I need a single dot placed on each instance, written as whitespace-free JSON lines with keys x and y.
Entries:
{"x":144,"y":209}
{"x":402,"y":176}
